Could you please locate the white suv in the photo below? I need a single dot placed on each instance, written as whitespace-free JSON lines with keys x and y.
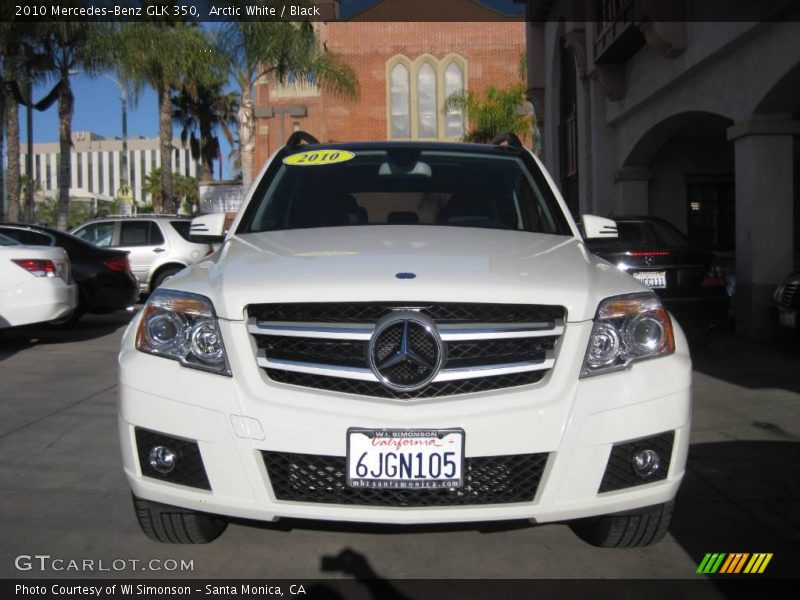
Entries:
{"x":158,"y":245}
{"x":404,"y":333}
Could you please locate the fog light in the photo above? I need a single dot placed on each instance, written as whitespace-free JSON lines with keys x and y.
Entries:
{"x":162,"y":459}
{"x":646,"y":463}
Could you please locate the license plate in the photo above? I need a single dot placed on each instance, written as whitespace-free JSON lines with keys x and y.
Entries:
{"x":405,"y":458}
{"x":787,"y":319}
{"x":655,"y":280}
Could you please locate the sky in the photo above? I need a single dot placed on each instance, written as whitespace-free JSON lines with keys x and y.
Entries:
{"x":98,"y":107}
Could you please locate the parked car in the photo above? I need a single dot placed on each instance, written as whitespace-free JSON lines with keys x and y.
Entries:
{"x":158,"y":245}
{"x":785,"y":310}
{"x":404,"y":332}
{"x":35,"y":284}
{"x":104,"y":278}
{"x":689,"y":281}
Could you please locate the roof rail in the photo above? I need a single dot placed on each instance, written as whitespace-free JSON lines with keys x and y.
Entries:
{"x":508,"y":137}
{"x":301,"y":136}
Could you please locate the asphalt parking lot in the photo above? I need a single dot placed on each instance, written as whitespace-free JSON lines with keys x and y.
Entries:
{"x":62,"y":492}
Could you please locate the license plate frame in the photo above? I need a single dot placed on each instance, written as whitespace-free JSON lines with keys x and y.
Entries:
{"x":659,"y":278}
{"x":787,"y":319}
{"x":446,"y":435}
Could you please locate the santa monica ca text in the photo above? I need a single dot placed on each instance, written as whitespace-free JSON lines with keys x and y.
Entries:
{"x":158,"y":590}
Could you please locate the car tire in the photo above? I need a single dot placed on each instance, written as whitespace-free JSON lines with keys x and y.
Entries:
{"x":632,"y":529}
{"x":173,"y":525}
{"x":69,"y":321}
{"x":162,"y":275}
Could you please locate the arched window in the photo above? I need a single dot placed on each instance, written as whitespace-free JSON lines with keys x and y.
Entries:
{"x":426,"y":101}
{"x":400,"y":105}
{"x":453,"y":83}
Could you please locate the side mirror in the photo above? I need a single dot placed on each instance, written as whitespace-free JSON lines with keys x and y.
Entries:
{"x":209,"y":229}
{"x":598,"y":228}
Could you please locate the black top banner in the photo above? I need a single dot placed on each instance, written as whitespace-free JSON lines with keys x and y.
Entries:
{"x":601,"y":11}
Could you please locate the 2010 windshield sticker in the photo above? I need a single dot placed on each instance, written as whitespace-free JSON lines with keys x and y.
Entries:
{"x":314,"y":158}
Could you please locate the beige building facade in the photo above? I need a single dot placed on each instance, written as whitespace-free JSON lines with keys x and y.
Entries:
{"x":694,"y":122}
{"x":97,"y":165}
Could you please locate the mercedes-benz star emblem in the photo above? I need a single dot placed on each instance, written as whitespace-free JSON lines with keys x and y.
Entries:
{"x":405,"y":351}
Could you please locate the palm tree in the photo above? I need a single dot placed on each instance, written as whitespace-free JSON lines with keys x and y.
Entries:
{"x":494,"y":111}
{"x":255,"y":49}
{"x":185,"y":188}
{"x":199,"y":114}
{"x":151,"y":184}
{"x":71,"y":47}
{"x":9,"y":48}
{"x":167,"y":56}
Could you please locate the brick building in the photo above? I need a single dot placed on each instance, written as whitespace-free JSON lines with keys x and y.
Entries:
{"x":405,"y":71}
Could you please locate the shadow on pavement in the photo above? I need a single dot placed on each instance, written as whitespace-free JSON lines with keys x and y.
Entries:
{"x":355,"y":564}
{"x":750,"y":364}
{"x":742,"y":497}
{"x":90,"y":327}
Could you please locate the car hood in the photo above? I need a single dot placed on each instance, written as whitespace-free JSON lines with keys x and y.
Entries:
{"x":449,"y":264}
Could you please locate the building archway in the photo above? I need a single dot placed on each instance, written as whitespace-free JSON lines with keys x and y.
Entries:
{"x":682,"y":170}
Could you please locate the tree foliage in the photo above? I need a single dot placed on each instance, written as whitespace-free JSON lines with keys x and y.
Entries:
{"x":200,"y":115}
{"x":252,"y":50}
{"x":167,"y":56}
{"x":492,"y":112}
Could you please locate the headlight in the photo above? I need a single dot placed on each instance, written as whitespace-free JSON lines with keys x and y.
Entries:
{"x":626,"y":329}
{"x":183,"y":327}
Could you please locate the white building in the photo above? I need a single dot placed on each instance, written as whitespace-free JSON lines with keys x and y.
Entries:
{"x":97,"y":165}
{"x":646,"y":112}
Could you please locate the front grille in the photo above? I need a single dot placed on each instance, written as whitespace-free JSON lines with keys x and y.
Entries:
{"x":370,"y":312}
{"x":352,"y":353}
{"x":619,"y":472}
{"x":471,"y":353}
{"x":484,"y":346}
{"x":791,"y":295}
{"x":322,"y":479}
{"x":432,"y":390}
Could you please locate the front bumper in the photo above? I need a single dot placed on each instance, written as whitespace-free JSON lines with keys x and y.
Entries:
{"x":233,"y":420}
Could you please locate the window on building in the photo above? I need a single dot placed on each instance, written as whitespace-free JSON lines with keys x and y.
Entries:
{"x":400,"y":105}
{"x":568,"y":131}
{"x":711,"y":216}
{"x":453,"y":84}
{"x":131,"y":173}
{"x":90,"y":171}
{"x":417,"y":91}
{"x":426,"y":102}
{"x":101,"y":183}
{"x":112,"y":157}
{"x":80,"y":170}
{"x":48,"y":174}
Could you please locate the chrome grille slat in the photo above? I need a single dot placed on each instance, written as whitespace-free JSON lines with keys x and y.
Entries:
{"x":448,"y":332}
{"x":365,"y":374}
{"x":332,"y":331}
{"x":486,"y":346}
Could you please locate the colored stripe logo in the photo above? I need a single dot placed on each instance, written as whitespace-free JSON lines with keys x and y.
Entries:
{"x":734,"y":563}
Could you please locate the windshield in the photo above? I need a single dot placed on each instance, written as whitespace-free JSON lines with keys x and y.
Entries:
{"x":405,"y":186}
